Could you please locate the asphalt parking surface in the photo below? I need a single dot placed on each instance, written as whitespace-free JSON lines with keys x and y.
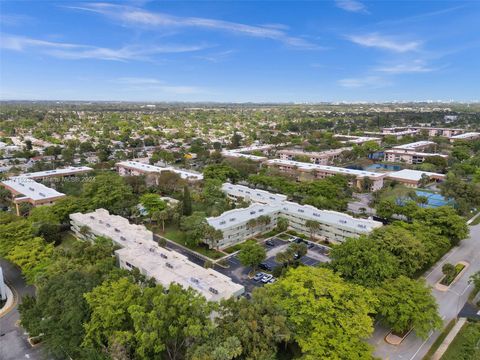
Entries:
{"x":239,"y":273}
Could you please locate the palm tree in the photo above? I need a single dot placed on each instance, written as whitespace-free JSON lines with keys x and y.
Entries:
{"x":161,"y":216}
{"x":313,"y":226}
{"x":251,"y":223}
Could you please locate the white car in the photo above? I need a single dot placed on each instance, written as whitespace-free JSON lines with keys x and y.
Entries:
{"x":267,"y":278}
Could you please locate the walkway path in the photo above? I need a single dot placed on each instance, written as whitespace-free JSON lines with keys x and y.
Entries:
{"x":13,"y":340}
{"x":450,"y":302}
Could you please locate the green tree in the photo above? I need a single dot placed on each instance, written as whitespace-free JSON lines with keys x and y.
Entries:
{"x":187,"y":201}
{"x":363,"y":261}
{"x":169,"y":323}
{"x":313,"y":227}
{"x":404,"y":245}
{"x":407,"y":304}
{"x":282,"y":224}
{"x":222,"y":172}
{"x":194,"y":227}
{"x":152,"y":203}
{"x":32,"y":256}
{"x":252,"y":254}
{"x":328,"y":318}
{"x":246,"y":330}
{"x":450,"y":224}
{"x":110,"y":321}
{"x":108,"y":191}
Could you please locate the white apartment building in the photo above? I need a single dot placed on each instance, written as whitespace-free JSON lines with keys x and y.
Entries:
{"x":309,"y":171}
{"x":244,"y":152}
{"x":139,"y":250}
{"x":415,"y":146}
{"x":431,"y":131}
{"x":136,"y":168}
{"x":465,"y":137}
{"x":407,"y":156}
{"x":413,"y":178}
{"x":357,"y":140}
{"x":316,"y":157}
{"x":334,"y":226}
{"x":25,"y":188}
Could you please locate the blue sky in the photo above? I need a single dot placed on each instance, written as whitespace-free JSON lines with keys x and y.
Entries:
{"x":280,"y":51}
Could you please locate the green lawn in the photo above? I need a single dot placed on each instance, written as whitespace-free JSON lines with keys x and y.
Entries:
{"x":238,"y":247}
{"x":178,"y":236}
{"x":466,"y":345}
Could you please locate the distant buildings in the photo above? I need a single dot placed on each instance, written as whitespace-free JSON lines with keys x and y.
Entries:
{"x":244,"y":152}
{"x":317,"y":157}
{"x":465,"y":137}
{"x":138,"y":168}
{"x":309,"y":171}
{"x":414,"y":178}
{"x":238,"y":225}
{"x":357,"y":140}
{"x":140,"y":251}
{"x":410,"y":153}
{"x":25,"y":188}
{"x":431,"y":131}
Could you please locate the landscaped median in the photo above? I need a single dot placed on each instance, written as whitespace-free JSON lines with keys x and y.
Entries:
{"x":451,"y":275}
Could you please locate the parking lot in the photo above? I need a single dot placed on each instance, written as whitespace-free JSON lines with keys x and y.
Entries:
{"x":239,"y":273}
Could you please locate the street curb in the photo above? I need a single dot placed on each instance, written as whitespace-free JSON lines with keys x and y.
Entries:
{"x":9,"y":304}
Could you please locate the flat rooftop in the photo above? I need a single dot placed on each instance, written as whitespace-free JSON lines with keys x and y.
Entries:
{"x":184,"y":174}
{"x":413,"y":175}
{"x":229,"y":153}
{"x":168,"y":266}
{"x":31,"y":189}
{"x":413,"y":153}
{"x":326,"y":168}
{"x":57,"y":172}
{"x":414,"y":145}
{"x":325,"y":153}
{"x":256,"y":195}
{"x":238,"y":216}
{"x":465,"y":135}
{"x":140,"y":250}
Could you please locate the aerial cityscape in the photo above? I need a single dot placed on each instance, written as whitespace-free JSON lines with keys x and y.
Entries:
{"x":261,"y":180}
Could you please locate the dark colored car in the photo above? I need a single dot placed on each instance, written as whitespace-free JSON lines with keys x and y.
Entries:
{"x":270,"y":242}
{"x":265,"y":266}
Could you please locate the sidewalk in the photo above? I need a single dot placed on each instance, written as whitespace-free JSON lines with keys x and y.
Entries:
{"x":446,"y":343}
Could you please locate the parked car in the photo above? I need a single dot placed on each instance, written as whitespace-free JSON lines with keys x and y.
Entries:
{"x":265,"y":266}
{"x":310,"y":245}
{"x":258,"y":276}
{"x":266,"y":278}
{"x":270,"y":242}
{"x":299,"y":240}
{"x":272,"y":280}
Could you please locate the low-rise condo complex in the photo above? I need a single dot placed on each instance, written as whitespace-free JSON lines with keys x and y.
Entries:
{"x":138,"y":168}
{"x":317,"y":157}
{"x":238,"y":225}
{"x":139,"y":250}
{"x":25,"y":189}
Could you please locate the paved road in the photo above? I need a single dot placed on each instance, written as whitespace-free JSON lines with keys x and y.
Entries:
{"x":13,"y":341}
{"x":450,"y":302}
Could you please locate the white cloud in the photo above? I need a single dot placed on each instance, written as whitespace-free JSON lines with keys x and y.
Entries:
{"x":153,"y":85}
{"x":417,"y":66}
{"x":79,"y":51}
{"x":139,"y":17}
{"x":351,"y":5}
{"x":373,"y":82}
{"x":387,"y":43}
